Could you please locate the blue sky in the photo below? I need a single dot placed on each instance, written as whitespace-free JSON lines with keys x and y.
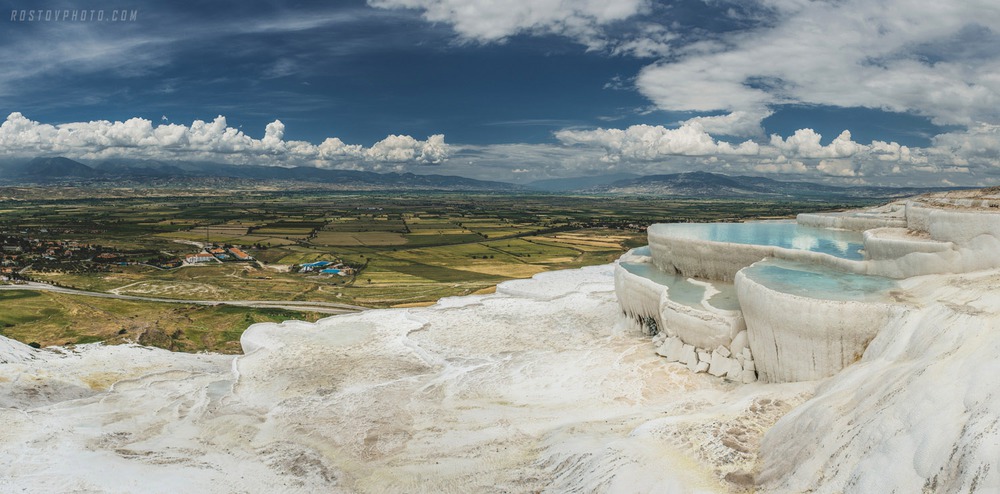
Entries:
{"x":526,"y":90}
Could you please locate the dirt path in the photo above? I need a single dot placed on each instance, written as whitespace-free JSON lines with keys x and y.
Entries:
{"x":321,"y":307}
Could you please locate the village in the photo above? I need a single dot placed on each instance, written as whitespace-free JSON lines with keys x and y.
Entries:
{"x":23,"y":253}
{"x":20,"y":253}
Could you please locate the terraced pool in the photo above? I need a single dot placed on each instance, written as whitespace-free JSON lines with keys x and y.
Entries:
{"x":814,"y":281}
{"x":786,"y":234}
{"x":684,"y":291}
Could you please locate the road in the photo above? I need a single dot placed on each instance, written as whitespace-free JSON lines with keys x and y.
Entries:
{"x":320,"y":307}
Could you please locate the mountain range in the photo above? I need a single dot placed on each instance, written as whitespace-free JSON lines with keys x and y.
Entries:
{"x":579,"y":183}
{"x":690,"y":184}
{"x":59,"y":169}
{"x":704,"y":184}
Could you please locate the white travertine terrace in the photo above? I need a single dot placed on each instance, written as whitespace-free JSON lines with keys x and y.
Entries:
{"x":706,"y":327}
{"x":700,"y":337}
{"x":639,"y":297}
{"x":891,"y":215}
{"x":797,"y":338}
{"x":953,"y":241}
{"x":811,"y":336}
{"x":703,"y":258}
{"x":905,"y":402}
{"x":892,"y":243}
{"x":935,"y":240}
{"x":703,"y":325}
{"x":953,"y":225}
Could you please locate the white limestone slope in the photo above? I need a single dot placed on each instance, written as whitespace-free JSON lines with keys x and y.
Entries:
{"x":31,"y":378}
{"x":15,"y":352}
{"x":919,"y":413}
{"x":535,"y":388}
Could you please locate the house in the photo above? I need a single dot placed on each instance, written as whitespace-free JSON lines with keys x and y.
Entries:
{"x":199,"y":257}
{"x":239,"y":254}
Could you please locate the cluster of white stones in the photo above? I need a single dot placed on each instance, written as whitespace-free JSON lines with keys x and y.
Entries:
{"x":734,"y":363}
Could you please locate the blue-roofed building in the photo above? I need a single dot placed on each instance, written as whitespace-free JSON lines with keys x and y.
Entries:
{"x":317,"y":264}
{"x":330,"y":271}
{"x":310,"y":266}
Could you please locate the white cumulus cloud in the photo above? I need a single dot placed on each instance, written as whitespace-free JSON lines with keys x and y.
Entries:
{"x":401,"y":148}
{"x":657,"y":149}
{"x":837,"y":168}
{"x":781,"y":165}
{"x":738,"y":123}
{"x":214,"y":140}
{"x":649,"y":142}
{"x":805,"y":143}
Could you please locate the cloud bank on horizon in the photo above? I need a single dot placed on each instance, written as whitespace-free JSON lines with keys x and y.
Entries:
{"x":720,"y":80}
{"x":211,"y":141}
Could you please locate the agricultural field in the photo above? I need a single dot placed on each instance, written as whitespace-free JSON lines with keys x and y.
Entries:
{"x":405,"y":249}
{"x":47,"y":318}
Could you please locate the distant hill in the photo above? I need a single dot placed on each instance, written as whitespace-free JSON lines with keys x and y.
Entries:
{"x":138,"y":168}
{"x":185,"y":173}
{"x":49,"y":170}
{"x":713,"y":185}
{"x":578,"y":183}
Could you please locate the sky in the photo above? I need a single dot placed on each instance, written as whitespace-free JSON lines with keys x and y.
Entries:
{"x":881,"y":92}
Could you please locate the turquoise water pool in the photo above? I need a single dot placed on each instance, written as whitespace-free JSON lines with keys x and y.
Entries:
{"x":683,"y":291}
{"x":789,"y":235}
{"x":809,"y":280}
{"x":641,"y":251}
